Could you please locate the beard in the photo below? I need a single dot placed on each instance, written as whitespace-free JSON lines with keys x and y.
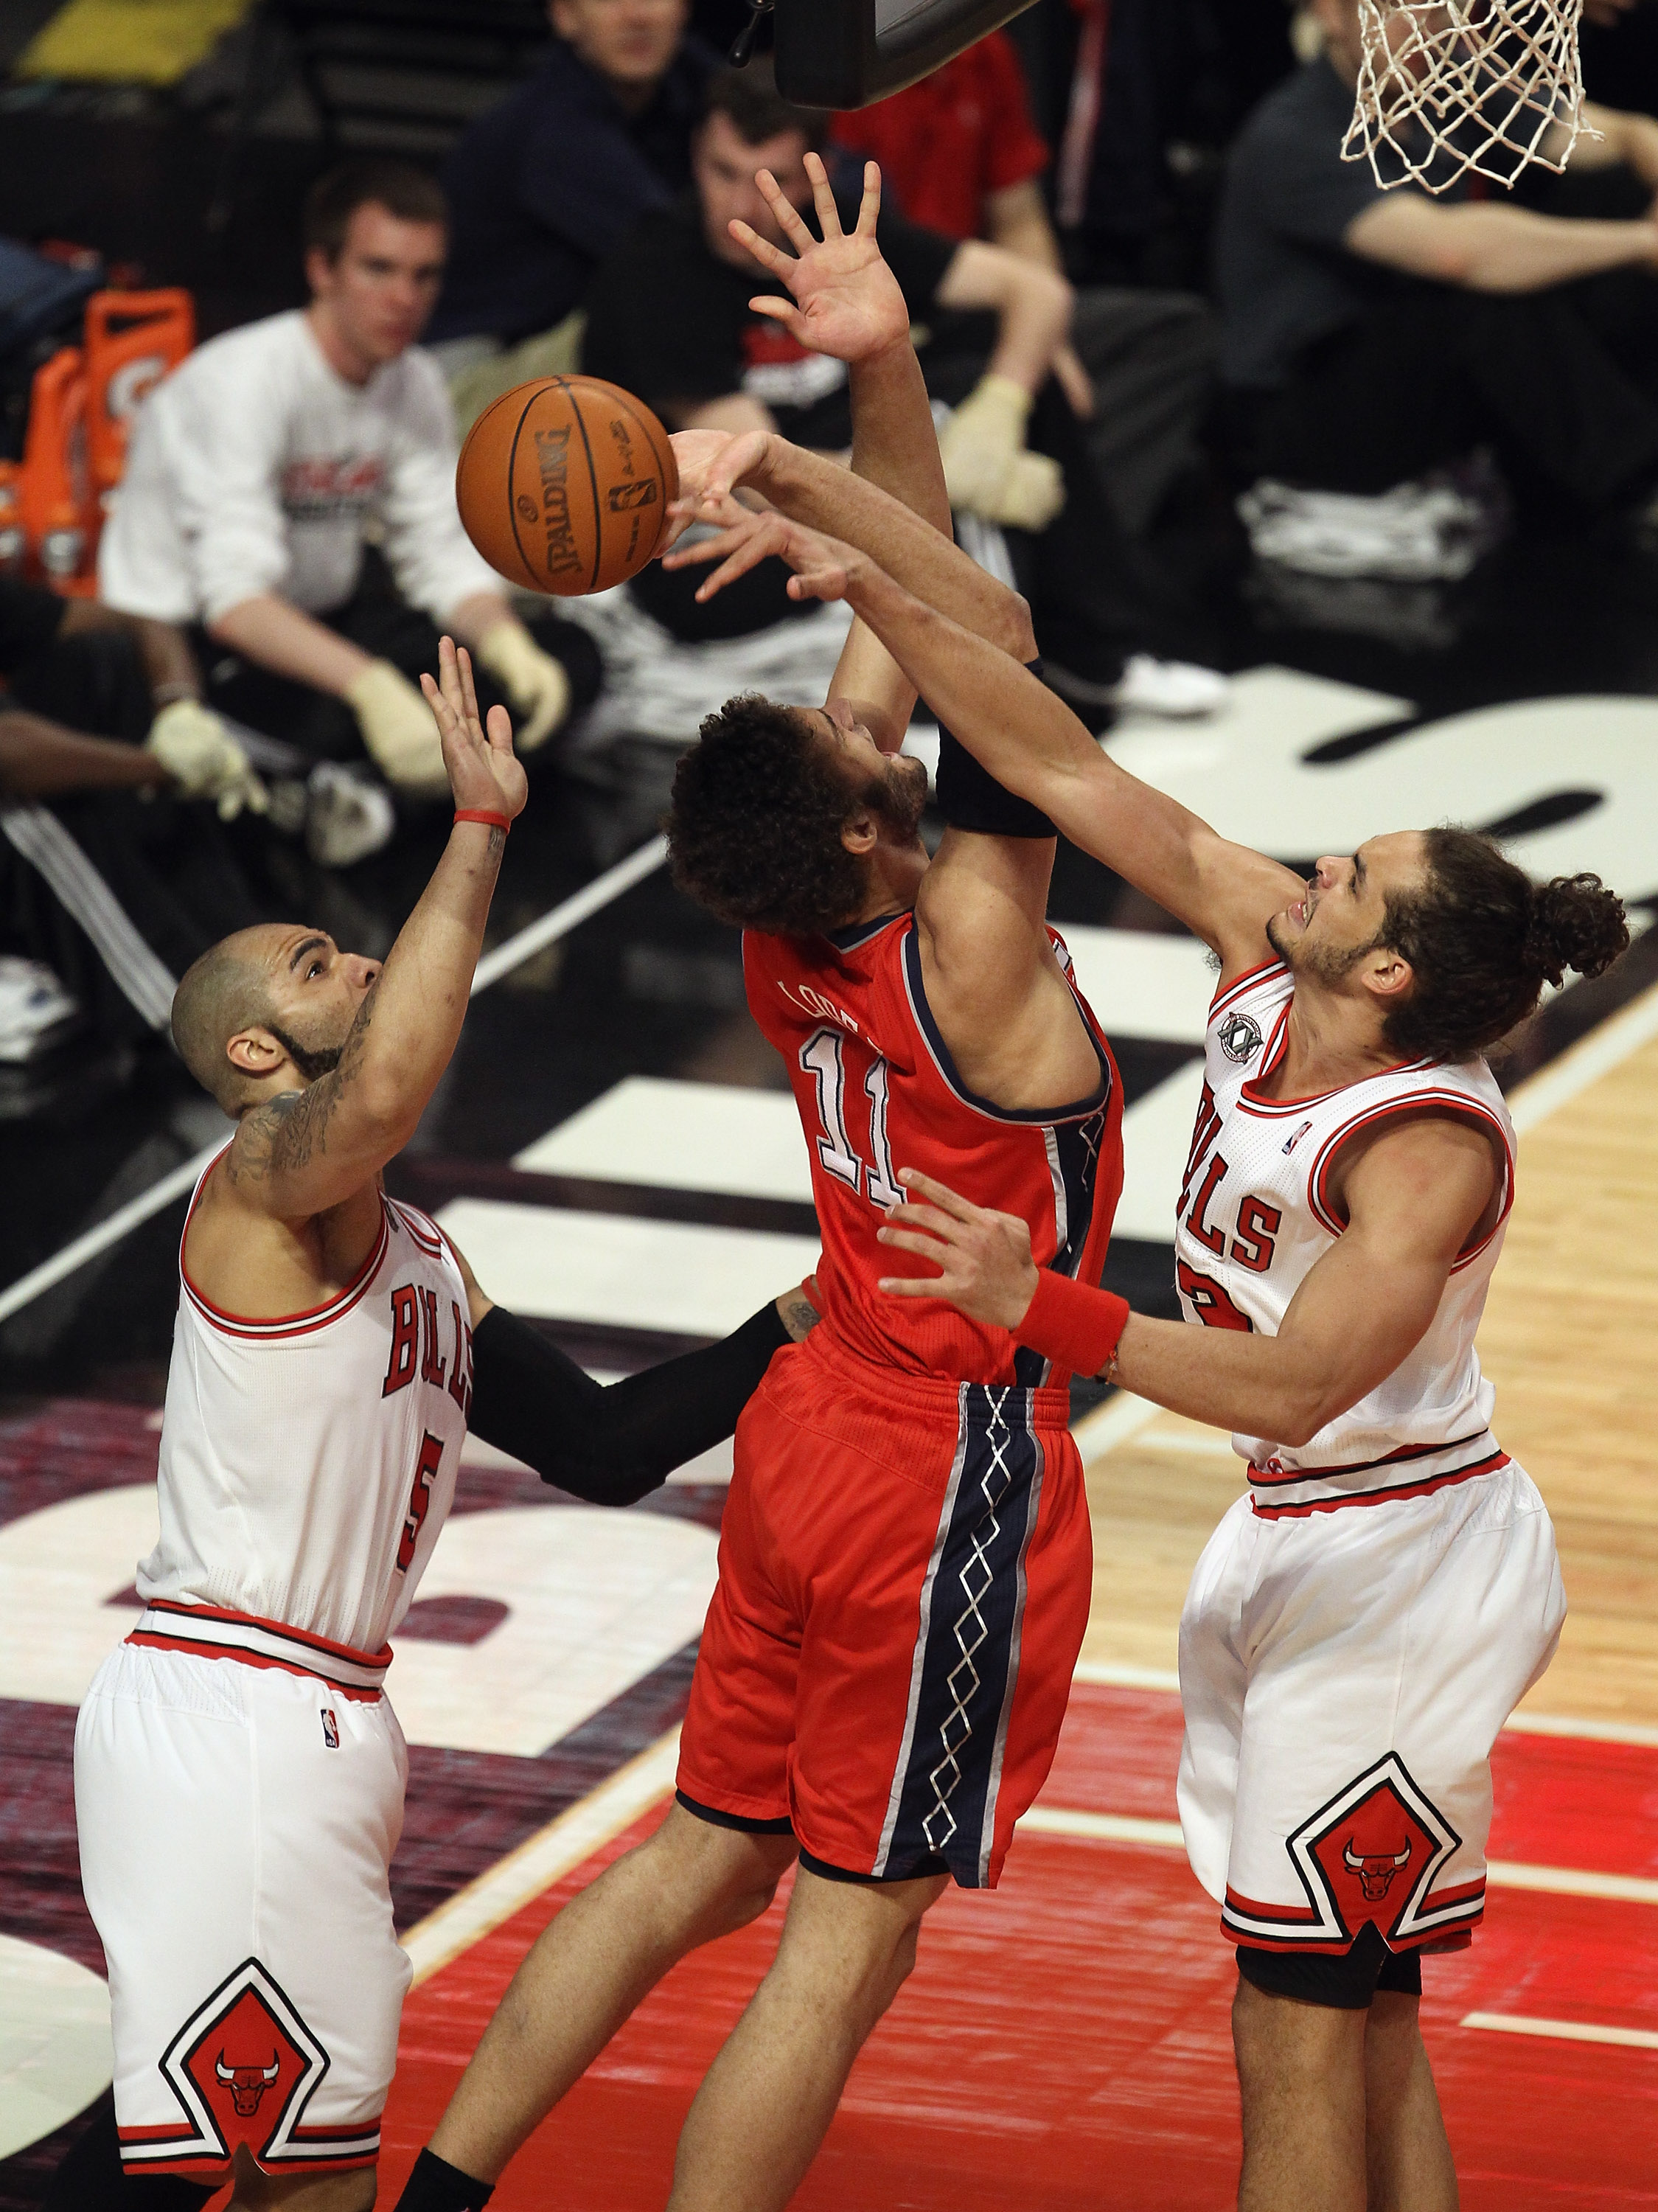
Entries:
{"x":313,"y":1061}
{"x":1327,"y":964}
{"x":899,"y":797}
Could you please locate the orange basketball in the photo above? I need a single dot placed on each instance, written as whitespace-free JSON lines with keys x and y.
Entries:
{"x":564,"y":483}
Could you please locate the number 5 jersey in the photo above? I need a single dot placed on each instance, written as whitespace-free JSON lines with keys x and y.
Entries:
{"x":307,"y":1464}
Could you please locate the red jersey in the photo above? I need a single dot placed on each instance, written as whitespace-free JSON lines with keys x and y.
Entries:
{"x":877,"y":1092}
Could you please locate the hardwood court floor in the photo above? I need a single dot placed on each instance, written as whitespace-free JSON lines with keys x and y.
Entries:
{"x":1568,"y":1339}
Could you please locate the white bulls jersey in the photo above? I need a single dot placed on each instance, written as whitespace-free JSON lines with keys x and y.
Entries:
{"x":1256,"y":1213}
{"x":307,"y":1464}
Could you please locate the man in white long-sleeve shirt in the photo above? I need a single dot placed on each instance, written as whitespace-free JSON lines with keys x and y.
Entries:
{"x":257,"y":469}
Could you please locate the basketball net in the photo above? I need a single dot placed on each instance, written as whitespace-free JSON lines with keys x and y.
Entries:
{"x":1447,"y":87}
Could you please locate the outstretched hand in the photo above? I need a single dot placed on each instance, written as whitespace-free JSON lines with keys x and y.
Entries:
{"x":846,"y":302}
{"x":483,"y":770}
{"x":713,"y":463}
{"x":984,"y":1260}
{"x":823,"y":567}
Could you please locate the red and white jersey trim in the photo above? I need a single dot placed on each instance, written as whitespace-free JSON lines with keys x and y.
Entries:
{"x":283,"y":1325}
{"x":1285,"y":1493}
{"x":1440,"y":1099}
{"x":213,"y":1633}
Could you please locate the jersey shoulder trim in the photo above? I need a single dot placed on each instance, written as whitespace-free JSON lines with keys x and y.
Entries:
{"x":1441,"y":1100}
{"x":1031,"y":1117}
{"x":281,"y":1325}
{"x":1227,"y":993}
{"x":420,"y":1226}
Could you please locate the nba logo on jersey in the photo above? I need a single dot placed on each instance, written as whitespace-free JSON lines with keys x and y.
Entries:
{"x":330,"y":1729}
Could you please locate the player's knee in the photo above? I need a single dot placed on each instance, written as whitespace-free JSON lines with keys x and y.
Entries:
{"x":1282,"y":2043}
{"x":748,"y":1895}
{"x":902,"y":1963}
{"x":718,"y":1879}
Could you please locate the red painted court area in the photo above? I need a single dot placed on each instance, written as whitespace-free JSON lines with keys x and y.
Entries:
{"x":1064,"y":2043}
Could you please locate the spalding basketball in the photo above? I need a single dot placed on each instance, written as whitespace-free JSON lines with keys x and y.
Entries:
{"x":564,"y":483}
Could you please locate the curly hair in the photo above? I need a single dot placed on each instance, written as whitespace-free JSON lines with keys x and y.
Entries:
{"x":1482,"y":938}
{"x":754,"y":828}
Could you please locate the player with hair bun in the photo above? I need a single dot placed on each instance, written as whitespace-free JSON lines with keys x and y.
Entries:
{"x":1371,"y":1610}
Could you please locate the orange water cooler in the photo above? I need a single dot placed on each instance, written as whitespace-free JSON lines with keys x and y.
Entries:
{"x":81,"y":409}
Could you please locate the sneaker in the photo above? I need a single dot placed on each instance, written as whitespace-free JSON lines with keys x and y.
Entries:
{"x":346,"y":817}
{"x":1175,"y":688}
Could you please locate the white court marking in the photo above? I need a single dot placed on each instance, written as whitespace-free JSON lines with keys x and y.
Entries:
{"x":1563,"y":2031}
{"x":1156,"y":1136}
{"x":671,"y":1135}
{"x":1501,"y":1874}
{"x":616,"y":1270}
{"x":55,"y":2049}
{"x":1143,"y":983}
{"x":596,"y":1602}
{"x":544,"y":1858}
{"x":649,"y":1129}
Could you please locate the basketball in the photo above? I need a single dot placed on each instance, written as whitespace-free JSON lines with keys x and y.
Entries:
{"x":563,"y":484}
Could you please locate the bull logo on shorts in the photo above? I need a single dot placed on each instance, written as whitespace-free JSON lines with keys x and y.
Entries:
{"x":247,"y":2084}
{"x":1380,"y":1850}
{"x":1375,"y":1871}
{"x":244,"y":2068}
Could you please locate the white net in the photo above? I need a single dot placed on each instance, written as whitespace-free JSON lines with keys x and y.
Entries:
{"x":1447,"y":87}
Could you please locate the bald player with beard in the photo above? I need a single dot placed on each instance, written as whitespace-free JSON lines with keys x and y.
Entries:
{"x":238,"y":1772}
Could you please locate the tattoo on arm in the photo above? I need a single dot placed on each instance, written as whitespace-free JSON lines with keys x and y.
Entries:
{"x":800,"y":1316}
{"x":279,"y":1137}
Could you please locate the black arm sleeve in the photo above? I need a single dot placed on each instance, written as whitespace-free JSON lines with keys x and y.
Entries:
{"x":970,"y":797}
{"x":611,"y":1445}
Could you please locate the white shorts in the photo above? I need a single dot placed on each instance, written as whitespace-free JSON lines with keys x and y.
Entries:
{"x":1344,"y":1676}
{"x":237,"y":1823}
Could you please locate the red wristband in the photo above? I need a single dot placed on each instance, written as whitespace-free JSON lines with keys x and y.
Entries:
{"x":1074,"y":1326}
{"x":501,"y":822}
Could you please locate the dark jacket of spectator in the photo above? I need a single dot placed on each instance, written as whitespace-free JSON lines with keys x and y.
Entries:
{"x":670,"y":322}
{"x":1285,"y":277}
{"x":546,"y":185}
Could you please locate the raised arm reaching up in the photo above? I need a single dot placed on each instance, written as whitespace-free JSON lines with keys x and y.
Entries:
{"x":846,"y":302}
{"x":327,"y":1060}
{"x":1026,"y":736}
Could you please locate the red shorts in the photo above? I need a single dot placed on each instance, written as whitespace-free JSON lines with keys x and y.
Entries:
{"x":905,"y":1570}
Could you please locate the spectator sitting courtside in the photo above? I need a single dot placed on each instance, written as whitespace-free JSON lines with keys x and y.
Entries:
{"x":546,"y":184}
{"x":256,"y":470}
{"x":670,"y":319}
{"x":1368,"y":336}
{"x":104,"y":876}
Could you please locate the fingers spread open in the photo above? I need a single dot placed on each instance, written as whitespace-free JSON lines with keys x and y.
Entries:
{"x":499,"y":727}
{"x":784,"y":312}
{"x":943,"y":1225}
{"x":869,"y":206}
{"x":928,"y":1246}
{"x":960,"y":1208}
{"x":447,"y":720}
{"x":763,"y":250}
{"x":468,"y":693}
{"x":785,"y":214}
{"x":823,"y":199}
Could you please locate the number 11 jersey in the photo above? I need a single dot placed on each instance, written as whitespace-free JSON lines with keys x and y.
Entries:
{"x":877,"y":1090}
